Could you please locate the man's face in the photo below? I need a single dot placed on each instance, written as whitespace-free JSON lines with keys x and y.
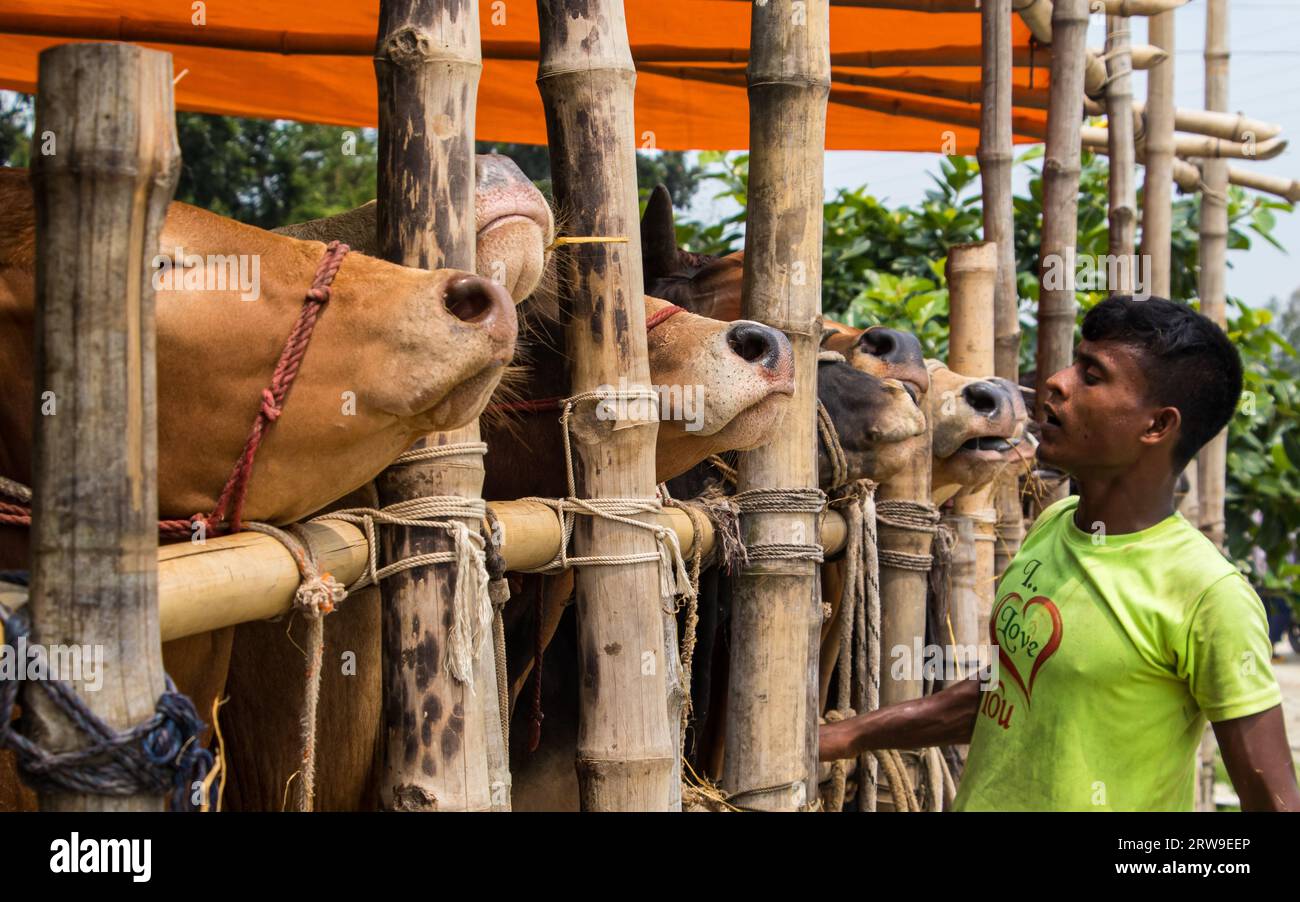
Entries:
{"x":1096,"y":410}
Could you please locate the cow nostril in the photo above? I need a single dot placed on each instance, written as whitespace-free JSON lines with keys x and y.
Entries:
{"x":472,"y":299}
{"x":755,"y":343}
{"x":879,"y":342}
{"x":983,"y":397}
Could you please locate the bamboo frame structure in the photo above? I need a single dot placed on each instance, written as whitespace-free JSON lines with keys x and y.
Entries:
{"x":249,"y":576}
{"x":101,"y":199}
{"x":626,"y":756}
{"x":771,"y":724}
{"x":427,"y":67}
{"x":1212,"y":287}
{"x":973,"y":275}
{"x":1228,"y":126}
{"x":1122,"y":200}
{"x":1158,"y":153}
{"x":1056,"y":305}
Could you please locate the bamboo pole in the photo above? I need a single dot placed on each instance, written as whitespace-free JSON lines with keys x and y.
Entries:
{"x":1228,"y":126}
{"x":436,"y":732}
{"x":995,"y":158}
{"x":1212,"y":466}
{"x":973,"y":274}
{"x":1157,"y":193}
{"x":101,"y":198}
{"x":771,"y":726}
{"x":626,"y":756}
{"x":1056,"y":304}
{"x":1122,"y":210}
{"x":1198,"y":146}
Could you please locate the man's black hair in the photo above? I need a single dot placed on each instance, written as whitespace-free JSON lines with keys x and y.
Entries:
{"x":1191,"y":364}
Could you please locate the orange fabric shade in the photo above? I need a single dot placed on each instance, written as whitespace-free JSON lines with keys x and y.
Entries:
{"x":312,"y":61}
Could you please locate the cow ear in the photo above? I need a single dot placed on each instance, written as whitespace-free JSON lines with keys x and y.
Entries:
{"x":658,"y":236}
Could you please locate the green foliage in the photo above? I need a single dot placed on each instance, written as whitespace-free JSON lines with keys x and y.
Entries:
{"x":268,"y":173}
{"x":16,"y":113}
{"x":885,"y":265}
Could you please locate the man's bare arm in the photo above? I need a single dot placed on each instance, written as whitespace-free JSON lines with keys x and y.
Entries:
{"x":1258,"y":759}
{"x":944,"y":718}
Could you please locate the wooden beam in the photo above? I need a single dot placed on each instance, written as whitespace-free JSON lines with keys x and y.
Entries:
{"x":1157,"y":192}
{"x":1056,"y":305}
{"x":101,"y":198}
{"x":438,"y":724}
{"x":771,"y":728}
{"x":626,"y":756}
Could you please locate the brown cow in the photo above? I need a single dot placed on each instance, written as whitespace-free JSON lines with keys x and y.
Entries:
{"x":435,"y":345}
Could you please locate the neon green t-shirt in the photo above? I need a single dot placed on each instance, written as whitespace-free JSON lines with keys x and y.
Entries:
{"x":1112,"y":653}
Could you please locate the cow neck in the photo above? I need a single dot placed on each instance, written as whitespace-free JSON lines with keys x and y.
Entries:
{"x":553,"y":405}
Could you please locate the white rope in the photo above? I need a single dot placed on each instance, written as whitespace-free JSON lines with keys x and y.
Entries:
{"x":674,"y":579}
{"x":471,"y":604}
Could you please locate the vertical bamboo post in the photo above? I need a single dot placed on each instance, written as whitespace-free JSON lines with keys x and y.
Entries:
{"x":1123,"y":186}
{"x":1157,"y":182}
{"x":626,"y":759}
{"x":438,"y":732}
{"x":1060,"y":196}
{"x":771,"y":729}
{"x":972,"y":271}
{"x":1212,"y":468}
{"x":105,"y":111}
{"x":995,"y":159}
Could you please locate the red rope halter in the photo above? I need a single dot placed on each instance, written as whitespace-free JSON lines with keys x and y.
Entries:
{"x":235,"y":491}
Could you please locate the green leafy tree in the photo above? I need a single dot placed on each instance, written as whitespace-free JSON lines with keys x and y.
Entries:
{"x":16,"y":114}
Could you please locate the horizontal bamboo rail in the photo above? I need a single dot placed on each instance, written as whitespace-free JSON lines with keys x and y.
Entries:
{"x":1199,"y":146}
{"x":1228,"y":126}
{"x":251,"y":576}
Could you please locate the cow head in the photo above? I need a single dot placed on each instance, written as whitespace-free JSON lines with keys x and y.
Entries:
{"x":979,"y":428}
{"x":514,"y":225}
{"x":873,"y":419}
{"x":722,"y":386}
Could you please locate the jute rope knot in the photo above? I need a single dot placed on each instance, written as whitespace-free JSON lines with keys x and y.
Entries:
{"x":674,"y":579}
{"x":913,"y":516}
{"x":471,"y":603}
{"x":318,"y":594}
{"x":782,"y":501}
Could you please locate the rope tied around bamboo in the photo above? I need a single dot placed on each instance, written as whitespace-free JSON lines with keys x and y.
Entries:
{"x":912,"y":516}
{"x":471,"y":601}
{"x":782,"y":501}
{"x":161,"y":756}
{"x":673,"y":577}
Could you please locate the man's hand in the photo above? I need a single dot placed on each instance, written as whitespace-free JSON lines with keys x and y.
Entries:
{"x":1258,"y":759}
{"x":944,"y":718}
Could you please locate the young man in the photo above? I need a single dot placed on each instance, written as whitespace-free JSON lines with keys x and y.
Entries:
{"x":1120,"y":628}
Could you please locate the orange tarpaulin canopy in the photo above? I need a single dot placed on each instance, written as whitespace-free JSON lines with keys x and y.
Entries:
{"x":312,"y":61}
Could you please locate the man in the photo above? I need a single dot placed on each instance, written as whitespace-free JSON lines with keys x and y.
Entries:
{"x":1120,"y":627}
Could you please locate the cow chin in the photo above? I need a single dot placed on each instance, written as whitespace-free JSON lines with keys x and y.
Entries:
{"x":466,"y":401}
{"x":512,"y":250}
{"x":755,"y":425}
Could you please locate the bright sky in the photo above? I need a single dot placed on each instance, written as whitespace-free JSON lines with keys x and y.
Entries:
{"x":1263,"y":72}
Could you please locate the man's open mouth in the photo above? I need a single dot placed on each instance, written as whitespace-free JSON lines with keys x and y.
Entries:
{"x":1050,"y":418}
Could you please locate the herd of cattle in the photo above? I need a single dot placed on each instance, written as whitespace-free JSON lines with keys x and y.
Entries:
{"x":424,"y":351}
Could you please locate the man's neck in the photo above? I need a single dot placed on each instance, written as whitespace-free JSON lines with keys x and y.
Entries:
{"x":1124,"y":502}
